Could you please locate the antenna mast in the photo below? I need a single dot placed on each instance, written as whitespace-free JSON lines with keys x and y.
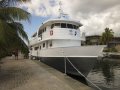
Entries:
{"x":61,"y":13}
{"x":60,"y":9}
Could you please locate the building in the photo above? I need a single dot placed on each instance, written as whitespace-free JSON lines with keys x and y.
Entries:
{"x":93,"y":40}
{"x":115,"y":43}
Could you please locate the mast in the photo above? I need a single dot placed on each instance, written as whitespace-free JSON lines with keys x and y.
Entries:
{"x":61,"y":13}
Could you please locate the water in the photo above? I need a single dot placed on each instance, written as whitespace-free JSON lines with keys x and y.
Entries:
{"x":106,"y":74}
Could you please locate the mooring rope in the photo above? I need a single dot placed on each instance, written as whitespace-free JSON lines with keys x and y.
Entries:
{"x":80,"y":73}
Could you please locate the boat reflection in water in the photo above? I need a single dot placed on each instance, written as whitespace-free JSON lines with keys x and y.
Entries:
{"x":106,"y":74}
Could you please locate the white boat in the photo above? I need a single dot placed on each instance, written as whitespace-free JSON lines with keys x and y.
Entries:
{"x":60,"y":38}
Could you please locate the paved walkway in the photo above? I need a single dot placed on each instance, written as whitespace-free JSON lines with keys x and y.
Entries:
{"x":33,"y":75}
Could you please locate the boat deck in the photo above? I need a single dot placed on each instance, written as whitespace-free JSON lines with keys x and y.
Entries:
{"x":34,"y":75}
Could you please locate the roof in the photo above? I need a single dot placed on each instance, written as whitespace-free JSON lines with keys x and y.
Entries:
{"x":93,"y":36}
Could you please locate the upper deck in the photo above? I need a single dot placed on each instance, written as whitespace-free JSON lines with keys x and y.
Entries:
{"x":60,"y":29}
{"x":60,"y":20}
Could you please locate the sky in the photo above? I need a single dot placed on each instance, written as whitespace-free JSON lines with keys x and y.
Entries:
{"x":95,"y":15}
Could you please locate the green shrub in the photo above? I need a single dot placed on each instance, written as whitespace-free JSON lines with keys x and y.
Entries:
{"x":112,"y":49}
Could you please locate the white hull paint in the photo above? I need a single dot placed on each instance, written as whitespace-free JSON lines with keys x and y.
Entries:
{"x":83,"y":58}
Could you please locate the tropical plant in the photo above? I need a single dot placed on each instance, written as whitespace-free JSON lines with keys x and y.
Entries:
{"x":112,"y":49}
{"x":12,"y":32}
{"x":107,"y":36}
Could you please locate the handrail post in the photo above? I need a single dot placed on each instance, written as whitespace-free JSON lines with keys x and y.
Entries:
{"x":65,"y":64}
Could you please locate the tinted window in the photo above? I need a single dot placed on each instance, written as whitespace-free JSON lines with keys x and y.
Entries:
{"x":34,"y":35}
{"x":43,"y":44}
{"x":45,"y":29}
{"x":74,"y":26}
{"x":52,"y":26}
{"x":70,"y":26}
{"x":40,"y":47}
{"x":57,"y":24}
{"x":36,"y":48}
{"x":63,"y":25}
{"x":30,"y":48}
{"x":77,"y":27}
{"x":50,"y":43}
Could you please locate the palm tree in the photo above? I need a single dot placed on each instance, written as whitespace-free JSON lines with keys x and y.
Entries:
{"x":107,"y":36}
{"x":12,"y":32}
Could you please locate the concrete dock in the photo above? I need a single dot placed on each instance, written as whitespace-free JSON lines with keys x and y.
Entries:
{"x":34,"y":75}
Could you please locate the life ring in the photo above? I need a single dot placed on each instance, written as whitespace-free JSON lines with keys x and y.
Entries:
{"x":51,"y":32}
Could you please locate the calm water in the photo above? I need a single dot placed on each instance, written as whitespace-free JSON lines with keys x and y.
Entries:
{"x":106,"y":74}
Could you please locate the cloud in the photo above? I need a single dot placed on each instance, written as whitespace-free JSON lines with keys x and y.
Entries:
{"x":95,"y":15}
{"x":42,"y":7}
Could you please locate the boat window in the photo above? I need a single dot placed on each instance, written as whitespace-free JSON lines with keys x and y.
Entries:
{"x":74,"y":26}
{"x":57,"y":25}
{"x":70,"y":26}
{"x":45,"y":29}
{"x":43,"y":44}
{"x":52,"y":26}
{"x":30,"y":48}
{"x":63,"y":25}
{"x":77,"y":27}
{"x":34,"y":35}
{"x":50,"y":43}
{"x":36,"y":48}
{"x":40,"y":47}
{"x":39,"y":33}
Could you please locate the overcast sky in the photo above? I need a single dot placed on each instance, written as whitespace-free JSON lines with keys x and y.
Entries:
{"x":95,"y":15}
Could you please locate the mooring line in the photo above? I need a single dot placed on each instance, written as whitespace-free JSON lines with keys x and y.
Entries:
{"x":80,"y":73}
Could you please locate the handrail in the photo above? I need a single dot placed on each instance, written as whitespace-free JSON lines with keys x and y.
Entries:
{"x":80,"y":73}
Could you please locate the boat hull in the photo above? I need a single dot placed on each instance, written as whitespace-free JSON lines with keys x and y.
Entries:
{"x":83,"y":64}
{"x":83,"y":58}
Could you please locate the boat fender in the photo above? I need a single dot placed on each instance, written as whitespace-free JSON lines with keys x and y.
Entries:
{"x":51,"y":32}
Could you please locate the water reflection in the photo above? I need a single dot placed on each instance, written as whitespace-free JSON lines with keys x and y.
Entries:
{"x":106,"y":74}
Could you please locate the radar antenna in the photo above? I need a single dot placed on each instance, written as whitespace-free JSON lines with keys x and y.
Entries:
{"x":61,"y":13}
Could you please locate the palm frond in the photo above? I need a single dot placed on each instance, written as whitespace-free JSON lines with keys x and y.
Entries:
{"x":12,"y":33}
{"x":15,"y":13}
{"x":20,"y":29}
{"x":6,"y":32}
{"x":7,"y":3}
{"x":6,"y":18}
